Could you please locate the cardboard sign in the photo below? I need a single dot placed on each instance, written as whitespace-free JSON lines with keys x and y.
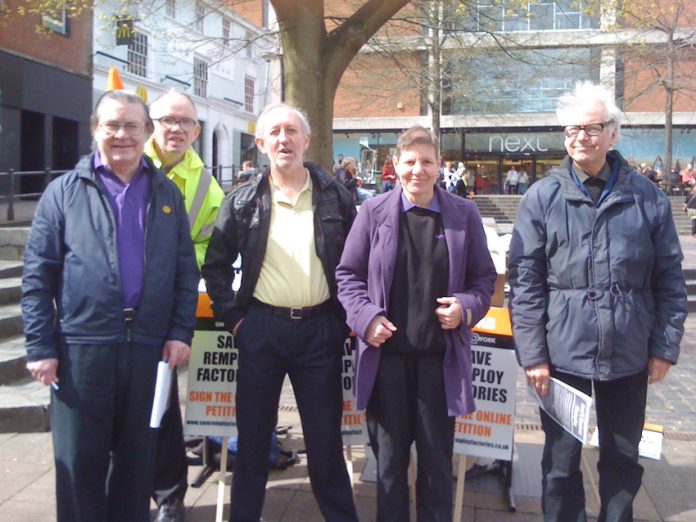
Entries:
{"x":354,"y":423}
{"x":212,"y":377}
{"x":489,"y":431}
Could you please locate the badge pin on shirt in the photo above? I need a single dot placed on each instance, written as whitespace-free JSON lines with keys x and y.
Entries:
{"x":166,"y":209}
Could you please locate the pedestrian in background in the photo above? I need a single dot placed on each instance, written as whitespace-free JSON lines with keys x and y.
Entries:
{"x":414,"y":278}
{"x":523,"y":181}
{"x":690,"y":209}
{"x":597,"y":300}
{"x":388,"y":176}
{"x":109,"y":289}
{"x":176,"y":129}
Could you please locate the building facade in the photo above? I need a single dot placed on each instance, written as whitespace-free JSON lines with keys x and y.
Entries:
{"x":45,"y":92}
{"x":501,"y":70}
{"x":204,"y":49}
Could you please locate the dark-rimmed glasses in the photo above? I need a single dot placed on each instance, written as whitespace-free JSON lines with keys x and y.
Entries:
{"x":591,"y":129}
{"x":169,"y":122}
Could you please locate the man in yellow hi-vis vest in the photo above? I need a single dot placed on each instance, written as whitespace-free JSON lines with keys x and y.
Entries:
{"x":176,"y":128}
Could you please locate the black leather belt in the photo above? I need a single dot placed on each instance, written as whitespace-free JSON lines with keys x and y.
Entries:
{"x":129,"y":314}
{"x":297,"y":312}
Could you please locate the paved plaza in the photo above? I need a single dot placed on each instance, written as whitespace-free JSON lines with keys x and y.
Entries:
{"x":667,"y":493}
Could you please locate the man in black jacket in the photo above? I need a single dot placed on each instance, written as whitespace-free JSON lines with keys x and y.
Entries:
{"x":289,"y":228}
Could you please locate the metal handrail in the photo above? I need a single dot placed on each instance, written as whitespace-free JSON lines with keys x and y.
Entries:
{"x":48,"y":175}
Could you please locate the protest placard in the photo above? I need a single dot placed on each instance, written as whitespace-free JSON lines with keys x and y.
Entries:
{"x":353,"y":424}
{"x":212,"y":378}
{"x":489,"y":431}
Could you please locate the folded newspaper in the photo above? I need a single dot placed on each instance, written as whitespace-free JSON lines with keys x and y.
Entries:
{"x":566,"y":405}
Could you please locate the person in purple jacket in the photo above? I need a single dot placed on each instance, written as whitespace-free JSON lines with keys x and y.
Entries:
{"x":415,"y":276}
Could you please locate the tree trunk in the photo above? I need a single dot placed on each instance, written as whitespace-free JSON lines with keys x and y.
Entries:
{"x":434,"y":65}
{"x":314,"y":60}
{"x":669,"y":100}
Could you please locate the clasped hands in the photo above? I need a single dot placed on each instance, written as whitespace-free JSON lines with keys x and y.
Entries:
{"x":449,"y":315}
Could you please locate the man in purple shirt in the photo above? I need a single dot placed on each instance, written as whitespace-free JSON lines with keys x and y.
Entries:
{"x":109,"y":289}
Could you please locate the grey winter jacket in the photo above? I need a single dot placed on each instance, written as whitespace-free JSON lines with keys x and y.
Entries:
{"x":71,"y":281}
{"x":596,"y":291}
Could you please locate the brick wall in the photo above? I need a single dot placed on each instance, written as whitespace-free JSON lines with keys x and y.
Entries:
{"x":72,"y":53}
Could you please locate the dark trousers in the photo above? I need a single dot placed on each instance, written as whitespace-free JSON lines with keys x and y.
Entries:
{"x":620,"y":406}
{"x":309,"y":351}
{"x":103,"y":445}
{"x":171,"y":469}
{"x":408,"y":404}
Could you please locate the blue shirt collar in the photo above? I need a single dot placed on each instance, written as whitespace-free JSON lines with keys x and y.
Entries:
{"x":434,"y":206}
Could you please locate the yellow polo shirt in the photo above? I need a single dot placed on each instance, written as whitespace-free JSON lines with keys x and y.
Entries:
{"x":292,"y":274}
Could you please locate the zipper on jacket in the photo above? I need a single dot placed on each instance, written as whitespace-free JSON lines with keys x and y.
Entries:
{"x":593,"y":291}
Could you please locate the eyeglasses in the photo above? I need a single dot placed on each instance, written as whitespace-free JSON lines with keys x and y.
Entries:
{"x":169,"y":122}
{"x":132,"y":128}
{"x":591,"y":129}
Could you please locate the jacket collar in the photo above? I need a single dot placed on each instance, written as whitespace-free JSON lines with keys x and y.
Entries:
{"x":320,"y":178}
{"x":85,"y":170}
{"x":190,"y":163}
{"x":571,"y":190}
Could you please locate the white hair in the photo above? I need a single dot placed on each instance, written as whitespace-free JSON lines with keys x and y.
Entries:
{"x":586,"y":94}
{"x":262,"y":122}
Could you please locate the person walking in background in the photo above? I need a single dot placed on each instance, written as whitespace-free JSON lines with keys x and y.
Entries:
{"x":690,"y":208}
{"x":523,"y":181}
{"x":109,"y":289}
{"x":511,"y":180}
{"x":470,"y":180}
{"x":289,"y":227}
{"x":414,"y":278}
{"x":597,"y":300}
{"x":688,"y":176}
{"x":388,"y":176}
{"x":176,"y":129}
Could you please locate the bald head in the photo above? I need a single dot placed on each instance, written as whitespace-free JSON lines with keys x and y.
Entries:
{"x":176,"y":126}
{"x":161,"y":105}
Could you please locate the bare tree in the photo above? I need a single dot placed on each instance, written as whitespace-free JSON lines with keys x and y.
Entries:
{"x":316,"y":49}
{"x":658,"y":41}
{"x":315,"y":58}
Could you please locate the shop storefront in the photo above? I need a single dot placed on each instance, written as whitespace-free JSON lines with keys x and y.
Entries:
{"x":492,"y":153}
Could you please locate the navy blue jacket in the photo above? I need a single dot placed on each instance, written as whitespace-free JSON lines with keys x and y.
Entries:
{"x":71,"y":282}
{"x":596,"y":291}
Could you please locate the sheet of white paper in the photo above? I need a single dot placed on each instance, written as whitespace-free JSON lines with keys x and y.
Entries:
{"x":567,"y":406}
{"x":650,"y":445}
{"x":161,"y":399}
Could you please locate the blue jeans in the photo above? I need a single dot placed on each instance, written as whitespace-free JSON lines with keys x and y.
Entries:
{"x":620,"y":406}
{"x":309,"y":351}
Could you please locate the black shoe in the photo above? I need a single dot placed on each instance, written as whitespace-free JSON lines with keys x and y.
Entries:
{"x":171,"y":511}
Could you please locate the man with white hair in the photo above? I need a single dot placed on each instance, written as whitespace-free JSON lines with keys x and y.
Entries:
{"x":598,"y":300}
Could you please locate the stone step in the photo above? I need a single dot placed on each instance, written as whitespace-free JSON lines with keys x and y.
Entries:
{"x":10,"y":290}
{"x":691,"y":286}
{"x":691,"y":302}
{"x":10,"y":268}
{"x":24,"y":407}
{"x":12,"y":241}
{"x":13,"y":357}
{"x":10,"y":320}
